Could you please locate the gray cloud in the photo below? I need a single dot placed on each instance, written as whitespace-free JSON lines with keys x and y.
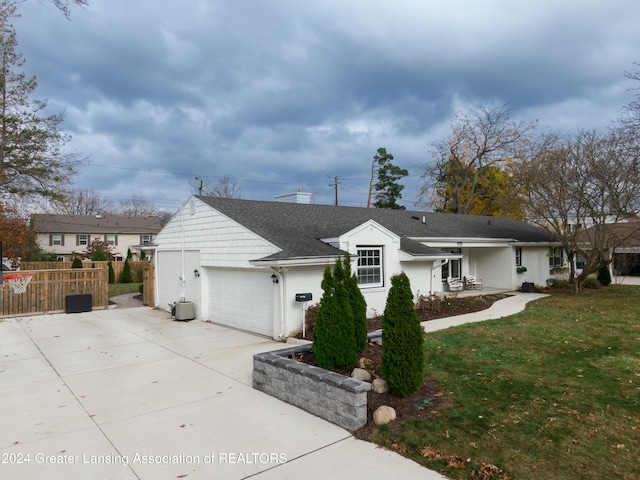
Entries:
{"x":285,"y":94}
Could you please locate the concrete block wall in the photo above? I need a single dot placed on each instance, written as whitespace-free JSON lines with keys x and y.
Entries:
{"x":339,"y":399}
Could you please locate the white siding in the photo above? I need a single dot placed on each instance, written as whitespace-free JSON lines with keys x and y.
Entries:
{"x":221,"y":241}
{"x":168,"y":271}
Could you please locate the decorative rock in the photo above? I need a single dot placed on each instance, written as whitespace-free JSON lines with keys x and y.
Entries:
{"x":384,"y":414}
{"x":362,"y":362}
{"x":360,"y":374}
{"x":379,"y":385}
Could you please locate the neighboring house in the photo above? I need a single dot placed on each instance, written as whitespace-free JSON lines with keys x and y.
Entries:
{"x":68,"y":235}
{"x":243,"y":262}
{"x":624,"y":239}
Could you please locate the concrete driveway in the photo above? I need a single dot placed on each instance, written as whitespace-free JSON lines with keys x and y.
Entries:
{"x":131,"y":394}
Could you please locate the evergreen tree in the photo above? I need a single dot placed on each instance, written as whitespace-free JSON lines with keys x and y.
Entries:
{"x":33,"y":160}
{"x":358,"y":306}
{"x":125,"y":277}
{"x":604,"y":276}
{"x":402,"y":344}
{"x":129,"y":254}
{"x":387,"y":187}
{"x":333,"y":337}
{"x":112,"y":274}
{"x":77,"y":263}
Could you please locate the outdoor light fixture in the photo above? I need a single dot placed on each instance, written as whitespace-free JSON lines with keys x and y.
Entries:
{"x":274,"y":278}
{"x":196,"y":272}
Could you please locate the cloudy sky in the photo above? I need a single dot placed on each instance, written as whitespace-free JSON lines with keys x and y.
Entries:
{"x":285,"y":94}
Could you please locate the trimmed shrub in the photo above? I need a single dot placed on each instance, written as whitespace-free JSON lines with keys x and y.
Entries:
{"x":112,"y":274}
{"x":125,"y":277}
{"x":358,"y":306}
{"x":402,"y":343}
{"x":77,"y":263}
{"x":604,"y":276}
{"x":129,"y":254}
{"x":143,"y":256}
{"x":99,"y":255}
{"x":333,"y":337}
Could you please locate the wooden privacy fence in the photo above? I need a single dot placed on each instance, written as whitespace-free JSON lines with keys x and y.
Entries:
{"x":48,"y":289}
{"x":137,"y":267}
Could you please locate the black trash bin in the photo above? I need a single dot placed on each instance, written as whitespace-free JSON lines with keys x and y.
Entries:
{"x":528,"y":287}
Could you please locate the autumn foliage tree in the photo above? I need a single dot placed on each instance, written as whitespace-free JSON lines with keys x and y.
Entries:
{"x":471,"y":171}
{"x":14,"y":232}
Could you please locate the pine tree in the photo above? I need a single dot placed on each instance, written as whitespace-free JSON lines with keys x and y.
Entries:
{"x":33,"y":159}
{"x":112,"y":274}
{"x":402,"y":344}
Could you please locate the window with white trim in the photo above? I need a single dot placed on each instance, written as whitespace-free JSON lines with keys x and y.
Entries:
{"x":57,"y":239}
{"x":556,"y":257}
{"x":369,"y":267}
{"x":111,"y":239}
{"x":453,"y":268}
{"x":83,"y":240}
{"x":518,"y":256}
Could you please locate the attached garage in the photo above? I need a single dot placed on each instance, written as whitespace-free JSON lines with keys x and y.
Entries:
{"x":242,"y":299}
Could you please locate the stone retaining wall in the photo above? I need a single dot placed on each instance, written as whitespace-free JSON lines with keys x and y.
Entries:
{"x":339,"y":399}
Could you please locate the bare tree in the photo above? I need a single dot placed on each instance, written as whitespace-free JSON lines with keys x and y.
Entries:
{"x":481,"y":140}
{"x":82,"y":202}
{"x":226,"y":187}
{"x":135,"y":207}
{"x":582,"y":187}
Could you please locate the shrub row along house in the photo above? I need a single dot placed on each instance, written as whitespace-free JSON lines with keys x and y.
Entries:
{"x":69,"y":235}
{"x":246,"y":263}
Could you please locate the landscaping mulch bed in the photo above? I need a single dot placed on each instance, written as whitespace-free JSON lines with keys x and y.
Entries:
{"x":429,"y":398}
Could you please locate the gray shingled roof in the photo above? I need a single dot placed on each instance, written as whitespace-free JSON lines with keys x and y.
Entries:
{"x":91,"y":224}
{"x":298,"y":228}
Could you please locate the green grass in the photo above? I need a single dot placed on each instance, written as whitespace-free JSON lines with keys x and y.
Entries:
{"x":551,"y":393}
{"x":122,"y":288}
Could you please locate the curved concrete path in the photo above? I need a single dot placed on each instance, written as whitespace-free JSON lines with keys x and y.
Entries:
{"x":131,"y":394}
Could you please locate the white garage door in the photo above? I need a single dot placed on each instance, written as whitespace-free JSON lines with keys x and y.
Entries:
{"x":241,"y":299}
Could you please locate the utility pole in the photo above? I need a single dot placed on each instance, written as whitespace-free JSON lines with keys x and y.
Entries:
{"x":335,"y":185}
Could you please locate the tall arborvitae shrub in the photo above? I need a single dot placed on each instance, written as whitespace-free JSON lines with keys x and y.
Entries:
{"x":129,"y":254}
{"x":402,"y":344}
{"x":333,"y":338}
{"x":125,"y":277}
{"x":358,"y":306}
{"x":604,"y":276}
{"x":77,"y":263}
{"x":112,"y":274}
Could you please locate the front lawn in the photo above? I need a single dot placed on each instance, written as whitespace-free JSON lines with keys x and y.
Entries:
{"x":551,"y":393}
{"x":116,"y":289}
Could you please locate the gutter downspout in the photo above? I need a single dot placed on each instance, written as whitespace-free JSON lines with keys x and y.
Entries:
{"x":278,"y":274}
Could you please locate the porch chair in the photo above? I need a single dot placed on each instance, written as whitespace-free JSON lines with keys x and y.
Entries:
{"x":473,"y":283}
{"x":454,"y":284}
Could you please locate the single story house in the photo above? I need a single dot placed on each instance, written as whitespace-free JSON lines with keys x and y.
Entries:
{"x":243,"y":263}
{"x":67,"y":235}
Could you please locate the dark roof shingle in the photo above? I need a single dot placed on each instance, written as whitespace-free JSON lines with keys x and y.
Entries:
{"x":298,"y":228}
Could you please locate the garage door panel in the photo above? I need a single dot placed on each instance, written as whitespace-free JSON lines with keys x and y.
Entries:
{"x":241,"y":299}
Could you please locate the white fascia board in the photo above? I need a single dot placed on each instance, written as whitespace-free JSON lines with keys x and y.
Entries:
{"x":515,"y":243}
{"x":406,"y":257}
{"x":294,"y":262}
{"x":463,"y":242}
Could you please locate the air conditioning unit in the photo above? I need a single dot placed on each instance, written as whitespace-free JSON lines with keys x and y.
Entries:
{"x":185,"y":311}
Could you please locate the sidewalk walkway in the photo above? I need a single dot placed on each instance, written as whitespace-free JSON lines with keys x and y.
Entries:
{"x":131,"y":394}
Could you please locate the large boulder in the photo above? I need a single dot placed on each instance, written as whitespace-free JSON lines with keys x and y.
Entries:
{"x":380,"y":386}
{"x":384,"y":414}
{"x":361,"y":374}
